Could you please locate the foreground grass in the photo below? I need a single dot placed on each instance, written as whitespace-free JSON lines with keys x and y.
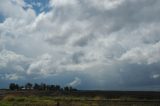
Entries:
{"x":11,"y":100}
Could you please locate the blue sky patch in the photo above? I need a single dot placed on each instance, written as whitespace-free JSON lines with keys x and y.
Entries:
{"x":2,"y":18}
{"x":39,"y":5}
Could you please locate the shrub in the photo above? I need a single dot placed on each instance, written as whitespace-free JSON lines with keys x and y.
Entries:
{"x":20,"y":99}
{"x":9,"y":98}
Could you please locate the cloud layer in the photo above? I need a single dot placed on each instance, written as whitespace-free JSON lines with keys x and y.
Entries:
{"x":90,"y":44}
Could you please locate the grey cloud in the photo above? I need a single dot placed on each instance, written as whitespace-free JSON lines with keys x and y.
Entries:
{"x":8,"y":57}
{"x":42,"y":66}
{"x":77,"y":57}
{"x":12,"y":65}
{"x":143,"y":74}
{"x":147,"y":55}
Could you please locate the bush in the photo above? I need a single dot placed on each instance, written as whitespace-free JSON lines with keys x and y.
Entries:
{"x":20,"y":99}
{"x":9,"y":98}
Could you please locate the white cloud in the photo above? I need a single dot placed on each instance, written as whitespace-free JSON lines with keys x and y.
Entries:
{"x":105,"y":4}
{"x":7,"y":57}
{"x":14,"y":9}
{"x":142,"y":55}
{"x":12,"y":65}
{"x":12,"y":77}
{"x":155,"y":76}
{"x":75,"y":82}
{"x":92,"y":37}
{"x":58,"y":3}
{"x":44,"y":65}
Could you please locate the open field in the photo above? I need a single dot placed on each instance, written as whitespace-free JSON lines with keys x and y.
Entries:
{"x":79,"y":98}
{"x":47,"y":101}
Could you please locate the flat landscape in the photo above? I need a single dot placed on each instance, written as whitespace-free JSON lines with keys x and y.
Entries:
{"x":79,"y":98}
{"x":79,"y":52}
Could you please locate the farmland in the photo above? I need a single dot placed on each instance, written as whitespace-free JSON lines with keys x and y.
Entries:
{"x":79,"y":98}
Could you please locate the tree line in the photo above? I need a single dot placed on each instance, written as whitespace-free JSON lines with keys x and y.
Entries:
{"x":42,"y":86}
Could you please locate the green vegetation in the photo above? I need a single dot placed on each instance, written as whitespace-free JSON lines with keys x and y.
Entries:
{"x":11,"y":100}
{"x":41,"y":87}
{"x":54,"y":95}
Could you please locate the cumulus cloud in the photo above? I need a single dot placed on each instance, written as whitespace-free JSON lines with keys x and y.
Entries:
{"x":43,"y":65}
{"x":14,"y":9}
{"x":143,"y":55}
{"x":7,"y":57}
{"x":12,"y":65}
{"x":103,"y":44}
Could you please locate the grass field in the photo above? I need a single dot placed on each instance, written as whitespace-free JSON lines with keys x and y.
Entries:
{"x":19,"y":99}
{"x":11,"y":100}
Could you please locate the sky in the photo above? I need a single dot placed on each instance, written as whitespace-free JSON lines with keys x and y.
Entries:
{"x":87,"y":44}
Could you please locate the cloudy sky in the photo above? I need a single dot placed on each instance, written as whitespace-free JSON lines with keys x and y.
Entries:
{"x":87,"y":44}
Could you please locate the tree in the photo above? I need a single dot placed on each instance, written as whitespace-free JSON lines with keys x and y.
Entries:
{"x":69,"y":89}
{"x":17,"y":87}
{"x":57,"y":88}
{"x":66,"y":88}
{"x":43,"y":86}
{"x":12,"y":86}
{"x":36,"y":86}
{"x":28,"y":86}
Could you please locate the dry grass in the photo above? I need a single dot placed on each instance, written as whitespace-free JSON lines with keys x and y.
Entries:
{"x":9,"y":100}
